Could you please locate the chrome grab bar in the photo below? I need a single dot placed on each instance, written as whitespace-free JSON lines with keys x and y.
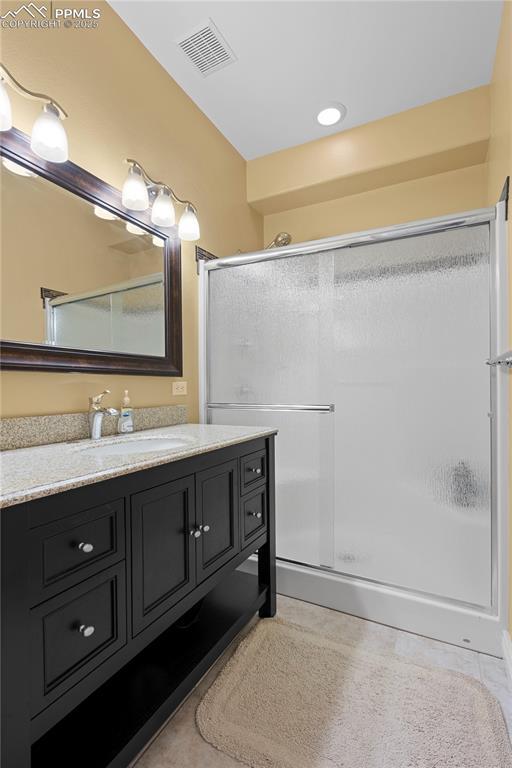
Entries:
{"x":504,"y":359}
{"x":258,"y":407}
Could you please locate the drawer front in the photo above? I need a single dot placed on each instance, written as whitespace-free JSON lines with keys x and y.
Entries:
{"x":254,"y":515}
{"x":253,"y":470}
{"x":71,"y":549}
{"x":75,"y":632}
{"x":217,"y":500}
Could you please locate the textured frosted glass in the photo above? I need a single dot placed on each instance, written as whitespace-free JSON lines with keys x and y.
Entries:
{"x":267,"y":322}
{"x":396,"y":335}
{"x":411,"y":336}
{"x":131,"y":321}
{"x":304,"y":480}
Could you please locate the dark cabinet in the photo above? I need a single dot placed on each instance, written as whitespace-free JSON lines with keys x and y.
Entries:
{"x":163,"y":549}
{"x":217,"y":517}
{"x":117,"y":597}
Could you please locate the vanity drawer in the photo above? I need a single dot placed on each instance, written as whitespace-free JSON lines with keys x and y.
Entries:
{"x":253,"y":470}
{"x":73,"y":548}
{"x":254,"y":515}
{"x":75,"y":632}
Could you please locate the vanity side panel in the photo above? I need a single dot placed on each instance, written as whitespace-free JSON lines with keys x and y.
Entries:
{"x":14,"y":639}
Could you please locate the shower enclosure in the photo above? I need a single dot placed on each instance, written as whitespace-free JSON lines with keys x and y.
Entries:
{"x":368,"y":353}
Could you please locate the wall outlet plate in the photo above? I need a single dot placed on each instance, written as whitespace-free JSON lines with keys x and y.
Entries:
{"x":179,"y":387}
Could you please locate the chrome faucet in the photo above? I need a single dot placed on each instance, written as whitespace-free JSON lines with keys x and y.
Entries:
{"x":96,"y":413}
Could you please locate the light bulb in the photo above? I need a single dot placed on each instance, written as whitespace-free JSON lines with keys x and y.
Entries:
{"x":158,"y":241}
{"x":133,"y":229}
{"x":102,"y":213}
{"x":5,"y":109}
{"x":188,"y":228}
{"x":162,"y":212}
{"x":19,"y":170}
{"x":49,"y":139}
{"x":135,"y":192}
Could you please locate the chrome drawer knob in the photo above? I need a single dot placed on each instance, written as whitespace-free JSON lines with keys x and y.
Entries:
{"x":84,"y":546}
{"x":86,"y":631}
{"x":256,"y":470}
{"x":255,"y":514}
{"x":195,"y":532}
{"x":206,"y":528}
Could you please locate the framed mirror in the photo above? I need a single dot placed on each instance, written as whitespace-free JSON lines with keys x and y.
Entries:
{"x":86,"y":285}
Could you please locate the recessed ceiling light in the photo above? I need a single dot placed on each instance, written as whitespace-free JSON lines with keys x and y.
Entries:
{"x":331,"y":114}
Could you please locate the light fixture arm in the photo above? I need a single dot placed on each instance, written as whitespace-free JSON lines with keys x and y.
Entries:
{"x":152,"y":184}
{"x":7,"y":77}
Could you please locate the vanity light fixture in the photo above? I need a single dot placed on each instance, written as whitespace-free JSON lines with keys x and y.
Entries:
{"x":19,"y":170}
{"x":48,"y":139}
{"x":140,"y":191}
{"x":158,"y":241}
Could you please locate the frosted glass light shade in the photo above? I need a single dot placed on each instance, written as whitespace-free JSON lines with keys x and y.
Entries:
{"x":102,"y":213}
{"x":19,"y":170}
{"x":188,"y":228}
{"x":49,"y":139}
{"x":135,"y":193}
{"x":133,"y":229}
{"x":162,"y":212}
{"x":5,"y":109}
{"x":158,"y":241}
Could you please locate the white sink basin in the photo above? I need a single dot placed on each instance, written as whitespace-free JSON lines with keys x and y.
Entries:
{"x":138,"y":445}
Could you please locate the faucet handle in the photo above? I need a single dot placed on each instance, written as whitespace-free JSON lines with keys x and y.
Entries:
{"x":95,"y":400}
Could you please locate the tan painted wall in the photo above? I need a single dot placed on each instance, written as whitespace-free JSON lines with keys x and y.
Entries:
{"x":427,"y":197}
{"x":500,"y":153}
{"x":121,"y":104}
{"x":441,"y":136}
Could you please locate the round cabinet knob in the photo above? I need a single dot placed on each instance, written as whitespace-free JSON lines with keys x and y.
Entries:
{"x":256,"y":470}
{"x":84,"y":546}
{"x":255,"y":514}
{"x":86,"y":631}
{"x":206,"y":528}
{"x":195,"y":532}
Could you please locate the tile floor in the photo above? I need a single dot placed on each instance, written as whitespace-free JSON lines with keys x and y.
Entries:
{"x":179,"y":744}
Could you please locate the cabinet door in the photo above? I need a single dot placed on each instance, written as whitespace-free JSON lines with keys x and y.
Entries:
{"x":163,"y":549}
{"x":218,"y":515}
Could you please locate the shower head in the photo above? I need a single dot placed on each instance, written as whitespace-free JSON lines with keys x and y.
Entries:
{"x":281,"y":239}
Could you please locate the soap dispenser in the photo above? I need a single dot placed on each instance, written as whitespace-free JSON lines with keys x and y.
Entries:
{"x":125,"y":423}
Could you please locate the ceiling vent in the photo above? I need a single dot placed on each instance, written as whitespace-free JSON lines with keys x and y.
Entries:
{"x":206,"y":49}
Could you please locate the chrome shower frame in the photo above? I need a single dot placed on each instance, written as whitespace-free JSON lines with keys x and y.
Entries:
{"x":488,"y":625}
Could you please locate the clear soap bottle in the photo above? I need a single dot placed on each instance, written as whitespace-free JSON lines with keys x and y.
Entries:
{"x":125,"y":423}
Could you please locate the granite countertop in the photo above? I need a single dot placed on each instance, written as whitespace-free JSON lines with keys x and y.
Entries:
{"x":30,"y":473}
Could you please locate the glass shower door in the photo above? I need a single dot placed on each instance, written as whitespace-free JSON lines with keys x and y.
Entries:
{"x":412,"y":394}
{"x":268,"y":366}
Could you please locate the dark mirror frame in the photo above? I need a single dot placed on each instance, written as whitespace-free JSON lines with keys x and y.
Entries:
{"x":15,"y":145}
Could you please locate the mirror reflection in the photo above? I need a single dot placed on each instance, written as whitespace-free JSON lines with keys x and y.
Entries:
{"x":74,"y":275}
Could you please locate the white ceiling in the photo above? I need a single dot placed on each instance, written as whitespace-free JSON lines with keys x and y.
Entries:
{"x":376,"y":57}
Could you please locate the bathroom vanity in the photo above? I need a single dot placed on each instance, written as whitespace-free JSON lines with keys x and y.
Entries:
{"x":120,"y":585}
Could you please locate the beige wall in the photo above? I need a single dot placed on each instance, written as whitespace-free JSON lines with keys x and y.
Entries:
{"x":121,"y":103}
{"x":500,"y":152}
{"x":441,"y":136}
{"x":427,"y":197}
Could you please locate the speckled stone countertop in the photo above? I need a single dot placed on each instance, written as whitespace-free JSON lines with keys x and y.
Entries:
{"x":30,"y":473}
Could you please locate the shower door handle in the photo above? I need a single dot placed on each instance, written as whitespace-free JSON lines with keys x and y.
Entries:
{"x":271,"y":407}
